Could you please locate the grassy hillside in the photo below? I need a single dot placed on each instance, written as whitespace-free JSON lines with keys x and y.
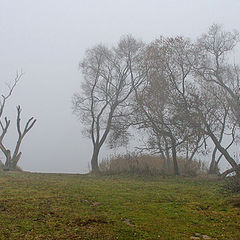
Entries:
{"x":58,"y":206}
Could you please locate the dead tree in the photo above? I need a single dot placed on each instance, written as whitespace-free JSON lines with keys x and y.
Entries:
{"x":12,"y":157}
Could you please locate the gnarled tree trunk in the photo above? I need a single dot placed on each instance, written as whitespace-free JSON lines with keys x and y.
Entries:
{"x":12,"y":159}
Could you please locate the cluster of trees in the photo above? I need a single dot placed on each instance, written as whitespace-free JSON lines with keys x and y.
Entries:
{"x":179,"y":93}
{"x":12,"y":157}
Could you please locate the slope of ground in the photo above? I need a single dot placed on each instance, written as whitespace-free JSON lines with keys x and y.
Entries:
{"x":61,"y":206}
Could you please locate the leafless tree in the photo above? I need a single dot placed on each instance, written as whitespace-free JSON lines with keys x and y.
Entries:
{"x":158,"y":107}
{"x":179,"y":102}
{"x":181,"y":93}
{"x":210,"y":115}
{"x":225,"y":127}
{"x":110,"y":77}
{"x":12,"y":158}
{"x":215,"y":70}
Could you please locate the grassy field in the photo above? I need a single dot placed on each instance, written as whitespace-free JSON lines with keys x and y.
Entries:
{"x":61,"y":206}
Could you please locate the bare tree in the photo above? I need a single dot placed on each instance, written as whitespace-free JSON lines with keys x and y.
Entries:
{"x":161,"y":98}
{"x":181,"y":105}
{"x":225,"y":128}
{"x":179,"y":92}
{"x":12,"y":158}
{"x":151,"y":115}
{"x":214,"y":70}
{"x":209,"y":114}
{"x":110,"y":76}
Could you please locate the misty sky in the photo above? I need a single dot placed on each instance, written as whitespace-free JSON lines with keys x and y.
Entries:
{"x":48,"y":38}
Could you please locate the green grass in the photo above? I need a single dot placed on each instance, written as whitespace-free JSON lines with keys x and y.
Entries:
{"x":61,"y":206}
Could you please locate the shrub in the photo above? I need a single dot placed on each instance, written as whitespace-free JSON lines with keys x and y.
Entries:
{"x":191,"y":168}
{"x":148,"y":165}
{"x":232,"y":184}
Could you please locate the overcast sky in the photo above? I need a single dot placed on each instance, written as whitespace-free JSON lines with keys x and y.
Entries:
{"x":48,"y":38}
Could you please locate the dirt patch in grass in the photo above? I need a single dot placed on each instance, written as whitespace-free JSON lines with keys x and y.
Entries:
{"x":93,"y":220}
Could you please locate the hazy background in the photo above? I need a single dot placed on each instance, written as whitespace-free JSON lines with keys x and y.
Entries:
{"x":48,"y":38}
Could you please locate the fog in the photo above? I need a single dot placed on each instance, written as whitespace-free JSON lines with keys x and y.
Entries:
{"x":47,"y":39}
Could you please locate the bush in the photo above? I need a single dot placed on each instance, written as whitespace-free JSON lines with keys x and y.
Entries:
{"x":191,"y":168}
{"x":148,"y":165}
{"x":232,"y":184}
